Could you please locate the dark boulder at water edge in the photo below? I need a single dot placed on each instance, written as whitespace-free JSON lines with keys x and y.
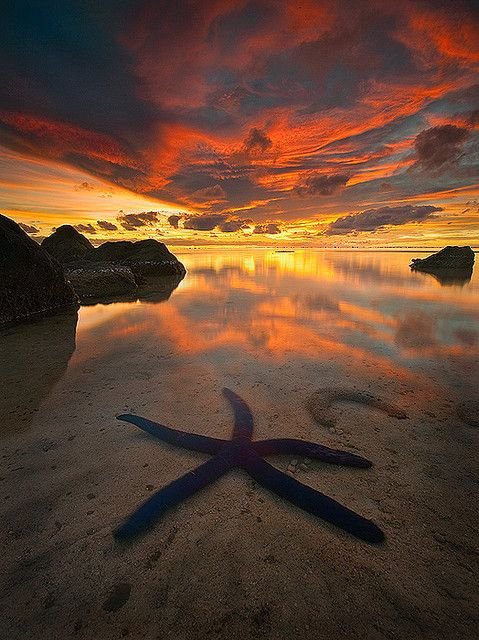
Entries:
{"x":144,"y":258}
{"x":66,"y":244}
{"x":451,"y":265}
{"x":32,"y":283}
{"x":114,"y":269}
{"x":40,"y":280}
{"x":102,"y":282}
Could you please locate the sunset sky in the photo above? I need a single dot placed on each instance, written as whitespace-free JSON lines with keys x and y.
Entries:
{"x":308,"y":122}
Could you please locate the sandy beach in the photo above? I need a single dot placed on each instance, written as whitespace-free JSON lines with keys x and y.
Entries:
{"x":234,"y":561}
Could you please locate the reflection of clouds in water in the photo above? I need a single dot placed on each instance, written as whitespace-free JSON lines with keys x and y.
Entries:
{"x":416,"y":330}
{"x":254,"y":306}
{"x":320,"y":303}
{"x":450,"y":277}
{"x":467,"y":337}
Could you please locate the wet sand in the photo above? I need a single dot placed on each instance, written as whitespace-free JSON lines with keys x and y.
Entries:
{"x":234,"y":561}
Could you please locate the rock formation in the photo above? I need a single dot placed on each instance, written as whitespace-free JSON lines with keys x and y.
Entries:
{"x":95,"y":282}
{"x":38,"y":280}
{"x":145,"y":258}
{"x":32,"y":282}
{"x":66,"y":244}
{"x":451,"y":265}
{"x":113,"y":269}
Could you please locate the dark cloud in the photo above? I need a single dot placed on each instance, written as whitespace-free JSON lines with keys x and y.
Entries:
{"x":174,"y":221}
{"x":321,"y":184}
{"x":106,"y":226}
{"x":257,"y":141}
{"x":267,"y":228}
{"x":208,"y":195}
{"x":373,"y":219}
{"x":63,"y":59}
{"x":85,"y":228}
{"x":84,"y":186}
{"x":440,"y":145}
{"x":206,"y":222}
{"x":230,"y":226}
{"x":28,"y":228}
{"x":132,"y":221}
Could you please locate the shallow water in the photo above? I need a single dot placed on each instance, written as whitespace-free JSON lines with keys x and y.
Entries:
{"x":236,"y":561}
{"x":249,"y":317}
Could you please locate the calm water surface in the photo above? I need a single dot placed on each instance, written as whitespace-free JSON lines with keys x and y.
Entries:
{"x":249,"y":317}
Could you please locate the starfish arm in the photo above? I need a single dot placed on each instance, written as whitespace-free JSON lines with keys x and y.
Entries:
{"x":243,"y":427}
{"x":171,"y":495}
{"x":182,"y":439}
{"x":309,"y":450}
{"x":311,"y":500}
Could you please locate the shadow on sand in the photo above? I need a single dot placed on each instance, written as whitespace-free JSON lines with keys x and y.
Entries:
{"x":34,"y":357}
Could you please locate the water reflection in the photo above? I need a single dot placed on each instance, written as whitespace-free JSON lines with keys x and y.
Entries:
{"x":246,"y":316}
{"x":451,"y":277}
{"x":34,"y":357}
{"x":365,"y":313}
{"x":153,"y":289}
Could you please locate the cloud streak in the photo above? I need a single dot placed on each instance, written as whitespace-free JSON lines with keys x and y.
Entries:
{"x":323,"y":185}
{"x":374,"y":219}
{"x":438,"y":146}
{"x":105,"y":225}
{"x":133,"y":221}
{"x":28,"y":228}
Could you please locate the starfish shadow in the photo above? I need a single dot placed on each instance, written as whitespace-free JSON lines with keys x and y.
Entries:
{"x":246,"y":454}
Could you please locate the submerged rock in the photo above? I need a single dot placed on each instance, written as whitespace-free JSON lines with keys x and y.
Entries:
{"x":102,"y":281}
{"x":32,"y":282}
{"x":106,"y":282}
{"x":451,"y":265}
{"x":66,"y":244}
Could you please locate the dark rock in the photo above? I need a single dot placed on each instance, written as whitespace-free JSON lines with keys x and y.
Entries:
{"x":451,"y":265}
{"x":66,"y":244}
{"x":115,"y":269}
{"x":145,"y":258}
{"x":32,"y":283}
{"x":102,"y":281}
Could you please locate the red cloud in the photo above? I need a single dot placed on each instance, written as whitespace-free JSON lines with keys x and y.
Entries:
{"x":341,"y":89}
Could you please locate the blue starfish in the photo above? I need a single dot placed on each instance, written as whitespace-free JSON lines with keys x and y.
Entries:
{"x":241,"y":452}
